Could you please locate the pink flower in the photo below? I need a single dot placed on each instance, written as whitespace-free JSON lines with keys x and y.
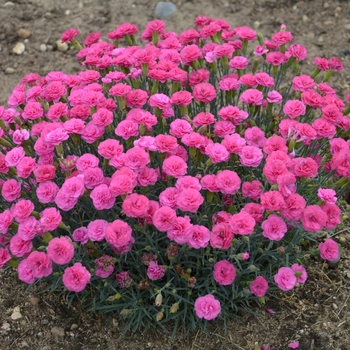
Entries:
{"x":50,"y":218}
{"x":136,"y":158}
{"x":76,"y":277}
{"x":189,"y":200}
{"x":313,"y":218}
{"x":294,"y":345}
{"x":104,"y":266}
{"x":175,"y":166}
{"x":118,"y":233}
{"x":329,"y":250}
{"x":44,"y":172}
{"x":14,"y":156}
{"x":300,"y":273}
{"x":181,"y":98}
{"x":255,"y":137}
{"x":165,"y":143}
{"x":20,"y":247}
{"x":207,"y":307}
{"x":224,"y":272}
{"x":228,"y":181}
{"x":274,"y":97}
{"x":168,"y":197}
{"x":60,"y":250}
{"x":161,"y":101}
{"x":252,"y":97}
{"x":81,"y":235}
{"x":69,"y":34}
{"x":255,"y":210}
{"x":46,"y":191}
{"x":303,"y":82}
{"x":204,"y":92}
{"x":199,"y":237}
{"x":181,"y":230}
{"x":96,"y":230}
{"x":155,"y":271}
{"x":102,"y":197}
{"x":252,"y":189}
{"x":22,"y":210}
{"x":327,"y":195}
{"x":274,"y":228}
{"x":6,"y":220}
{"x":293,"y":207}
{"x":11,"y":190}
{"x":246,"y":33}
{"x":251,"y":156}
{"x":274,"y":170}
{"x":190,"y":53}
{"x":272,"y":200}
{"x":135,"y":205}
{"x":29,"y":228}
{"x":4,"y":256}
{"x":298,"y":51}
{"x":221,"y":236}
{"x":259,"y":286}
{"x":333,"y":215}
{"x":25,"y":273}
{"x":276,"y":58}
{"x":180,"y":127}
{"x":123,"y":279}
{"x":285,"y":278}
{"x":40,"y":264}
{"x":217,"y":153}
{"x":238,"y":62}
{"x":245,"y":256}
{"x":242,"y":223}
{"x":127,"y":129}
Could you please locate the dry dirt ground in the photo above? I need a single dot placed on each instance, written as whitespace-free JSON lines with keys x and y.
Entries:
{"x":317,"y":315}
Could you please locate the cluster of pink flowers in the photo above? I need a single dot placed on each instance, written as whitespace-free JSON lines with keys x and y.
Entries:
{"x":152,"y":142}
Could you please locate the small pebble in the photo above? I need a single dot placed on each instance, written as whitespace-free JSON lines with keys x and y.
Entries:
{"x":347,"y":26}
{"x":9,"y":70}
{"x":43,"y":48}
{"x":305,"y":18}
{"x":348,"y":274}
{"x":165,"y":9}
{"x":326,"y":5}
{"x":34,"y":301}
{"x":6,"y":326}
{"x":58,"y":331}
{"x":335,"y":307}
{"x":256,"y":24}
{"x":24,"y":33}
{"x":74,"y":326}
{"x":24,"y":344}
{"x":16,"y":315}
{"x":19,"y":48}
{"x":9,"y":3}
{"x":67,"y":13}
{"x":61,"y":46}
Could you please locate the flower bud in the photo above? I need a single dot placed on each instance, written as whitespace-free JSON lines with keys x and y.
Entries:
{"x":159,"y":316}
{"x":159,"y":299}
{"x":174,"y":308}
{"x":125,"y":312}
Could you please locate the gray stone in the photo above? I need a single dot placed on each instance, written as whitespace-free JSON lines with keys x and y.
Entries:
{"x":19,"y":48}
{"x":9,"y":70}
{"x":164,"y":9}
{"x":43,"y":48}
{"x":58,"y":331}
{"x":347,"y":26}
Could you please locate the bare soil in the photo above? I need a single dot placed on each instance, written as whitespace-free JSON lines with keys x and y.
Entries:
{"x":317,"y":314}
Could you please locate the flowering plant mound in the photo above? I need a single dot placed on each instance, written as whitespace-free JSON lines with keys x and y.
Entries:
{"x":177,"y":180}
